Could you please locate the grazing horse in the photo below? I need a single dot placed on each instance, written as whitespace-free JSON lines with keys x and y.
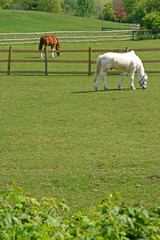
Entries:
{"x":49,"y":41}
{"x":127,"y":62}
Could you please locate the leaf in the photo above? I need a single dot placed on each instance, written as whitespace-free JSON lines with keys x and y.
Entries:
{"x":3,"y":192}
{"x":18,"y":189}
{"x":131,"y":211}
{"x":8,"y":222}
{"x":14,"y":198}
{"x":116,"y":210}
{"x":16,"y":220}
{"x":130,"y":221}
{"x":52,"y":221}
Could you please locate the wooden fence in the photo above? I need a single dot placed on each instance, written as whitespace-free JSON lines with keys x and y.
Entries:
{"x":89,"y":62}
{"x":73,"y":36}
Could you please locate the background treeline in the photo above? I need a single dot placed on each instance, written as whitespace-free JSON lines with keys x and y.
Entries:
{"x":144,"y":12}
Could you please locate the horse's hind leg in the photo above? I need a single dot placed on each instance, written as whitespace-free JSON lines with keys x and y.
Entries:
{"x":104,"y":80}
{"x":97,"y":81}
{"x":121,"y":81}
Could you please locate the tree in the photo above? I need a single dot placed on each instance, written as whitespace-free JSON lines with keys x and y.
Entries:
{"x":120,"y":14}
{"x":117,"y":4}
{"x":119,"y":10}
{"x":152,"y":6}
{"x":19,"y":4}
{"x":69,"y":6}
{"x":140,"y":11}
{"x":152,"y":21}
{"x":6,"y":4}
{"x":3,"y":3}
{"x":136,"y":10}
{"x":108,"y":13}
{"x":129,"y":6}
{"x":85,"y":7}
{"x":99,"y":8}
{"x":53,"y":6}
{"x":29,"y":4}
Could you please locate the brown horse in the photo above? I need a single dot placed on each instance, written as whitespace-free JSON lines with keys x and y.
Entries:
{"x":49,"y":41}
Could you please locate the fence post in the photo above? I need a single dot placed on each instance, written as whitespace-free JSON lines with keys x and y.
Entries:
{"x":133,"y":34}
{"x":9,"y":60}
{"x":89,"y":62}
{"x":46,"y":66}
{"x":127,"y":50}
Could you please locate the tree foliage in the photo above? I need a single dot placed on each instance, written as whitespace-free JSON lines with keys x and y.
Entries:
{"x":120,"y":14}
{"x":108,"y":12}
{"x":69,"y":7}
{"x":85,"y":7}
{"x":140,"y":11}
{"x":53,"y":6}
{"x":152,"y":21}
{"x":144,"y":12}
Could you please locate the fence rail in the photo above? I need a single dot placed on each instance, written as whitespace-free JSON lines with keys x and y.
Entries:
{"x":89,"y":62}
{"x":72,"y":36}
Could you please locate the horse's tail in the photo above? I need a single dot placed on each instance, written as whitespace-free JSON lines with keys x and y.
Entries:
{"x":40,"y":44}
{"x":98,"y":67}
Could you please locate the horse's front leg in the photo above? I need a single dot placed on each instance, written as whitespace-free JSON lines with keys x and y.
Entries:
{"x":42,"y":53}
{"x":104,"y":80}
{"x":121,"y":81}
{"x":52,"y":49}
{"x":132,"y":80}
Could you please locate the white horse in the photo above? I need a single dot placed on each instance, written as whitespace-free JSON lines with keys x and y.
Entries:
{"x":128,"y":62}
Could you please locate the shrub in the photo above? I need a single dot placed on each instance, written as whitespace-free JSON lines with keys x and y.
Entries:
{"x":152,"y":21}
{"x":22,"y":217}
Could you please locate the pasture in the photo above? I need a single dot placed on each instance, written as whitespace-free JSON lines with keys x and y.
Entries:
{"x":42,"y":21}
{"x":60,"y":138}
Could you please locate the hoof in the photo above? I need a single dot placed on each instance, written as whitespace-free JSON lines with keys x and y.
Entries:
{"x":133,"y":88}
{"x":106,"y":89}
{"x":96,"y":89}
{"x":119,"y":87}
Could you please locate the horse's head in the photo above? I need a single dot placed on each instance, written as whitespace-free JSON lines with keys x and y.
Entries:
{"x":143,"y":81}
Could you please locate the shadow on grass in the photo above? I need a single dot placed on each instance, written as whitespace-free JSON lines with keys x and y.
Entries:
{"x":111,"y":90}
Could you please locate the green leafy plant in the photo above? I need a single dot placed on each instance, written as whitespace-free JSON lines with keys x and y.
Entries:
{"x":23,"y":217}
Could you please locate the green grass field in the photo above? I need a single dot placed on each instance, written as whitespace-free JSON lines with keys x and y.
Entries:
{"x":27,"y":21}
{"x":59,"y":138}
